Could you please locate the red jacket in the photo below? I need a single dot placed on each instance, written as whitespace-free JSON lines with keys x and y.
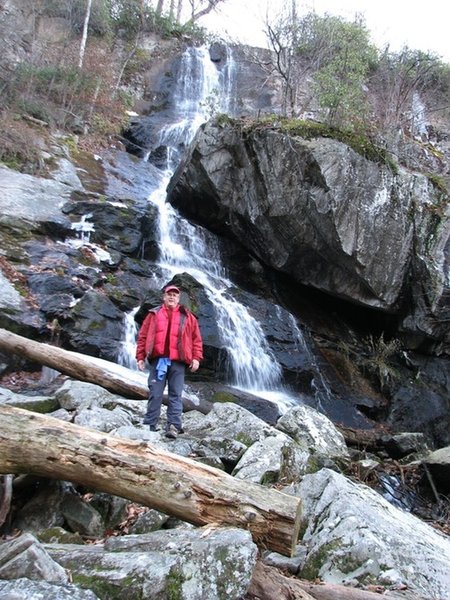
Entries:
{"x":185,"y":338}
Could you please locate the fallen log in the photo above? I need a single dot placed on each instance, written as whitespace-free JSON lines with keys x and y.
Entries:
{"x":178,"y":486}
{"x":112,"y":377}
{"x":365,"y":439}
{"x":268,"y":583}
{"x":5,"y":497}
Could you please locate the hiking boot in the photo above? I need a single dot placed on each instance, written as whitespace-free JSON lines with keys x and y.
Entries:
{"x":171,"y":432}
{"x":153,"y":428}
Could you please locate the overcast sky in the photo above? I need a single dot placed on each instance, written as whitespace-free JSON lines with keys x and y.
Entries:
{"x":419,"y":25}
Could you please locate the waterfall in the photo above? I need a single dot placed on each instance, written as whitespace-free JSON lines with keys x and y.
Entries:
{"x":127,"y":349}
{"x":201,"y":90}
{"x":185,"y":247}
{"x":418,"y":118}
{"x":322,"y":392}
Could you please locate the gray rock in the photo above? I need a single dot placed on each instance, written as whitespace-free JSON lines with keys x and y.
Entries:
{"x":314,"y":432}
{"x":26,"y":557}
{"x":113,"y":509}
{"x":66,"y":173}
{"x":320,"y":212}
{"x":40,"y":404}
{"x":81,"y":517}
{"x":31,"y":199}
{"x":78,"y":395}
{"x":439,"y":464}
{"x":227,"y":451}
{"x":103,"y":419}
{"x":292,"y":564}
{"x":31,"y":517}
{"x":354,"y":536}
{"x":402,"y":444}
{"x":262,"y":462}
{"x":230,"y":421}
{"x":10,"y":299}
{"x":26,"y":589}
{"x":194,"y":564}
{"x":151,"y":520}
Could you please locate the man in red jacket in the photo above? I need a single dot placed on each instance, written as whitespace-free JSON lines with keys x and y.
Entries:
{"x":169,"y":339}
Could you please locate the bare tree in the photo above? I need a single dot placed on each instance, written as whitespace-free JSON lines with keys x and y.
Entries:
{"x":200,"y":8}
{"x":284,"y":37}
{"x":398,"y":79}
{"x":179,"y":9}
{"x":159,"y":7}
{"x":85,"y":32}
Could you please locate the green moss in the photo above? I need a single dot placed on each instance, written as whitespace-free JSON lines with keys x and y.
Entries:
{"x":442,"y":193}
{"x":315,"y":561}
{"x":440,"y":184}
{"x":105,"y":589}
{"x":359,"y":142}
{"x":244,"y":439}
{"x":43,"y":407}
{"x":59,"y":535}
{"x":223,"y":119}
{"x":222,"y":397}
{"x":174,"y":584}
{"x":111,"y":279}
{"x":270,"y":478}
{"x":115,"y":294}
{"x":313,"y":465}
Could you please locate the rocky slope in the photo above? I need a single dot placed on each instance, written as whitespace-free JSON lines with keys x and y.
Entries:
{"x":342,"y":259}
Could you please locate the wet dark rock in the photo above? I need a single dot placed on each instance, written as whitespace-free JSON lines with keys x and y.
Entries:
{"x":121,"y":228}
{"x":422,"y":403}
{"x":438,"y":463}
{"x":97,"y":328}
{"x":288,"y":200}
{"x":48,"y":283}
{"x":215,"y":392}
{"x":158,"y":157}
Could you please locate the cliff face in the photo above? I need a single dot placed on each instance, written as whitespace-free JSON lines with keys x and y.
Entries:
{"x":367,"y":232}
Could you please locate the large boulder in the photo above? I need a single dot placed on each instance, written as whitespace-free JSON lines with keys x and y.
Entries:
{"x":26,"y":557}
{"x":185,"y":563}
{"x":321,"y":212}
{"x":354,"y":536}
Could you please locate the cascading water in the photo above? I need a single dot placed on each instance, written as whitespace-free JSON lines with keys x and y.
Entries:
{"x":127,"y":350}
{"x":188,"y":248}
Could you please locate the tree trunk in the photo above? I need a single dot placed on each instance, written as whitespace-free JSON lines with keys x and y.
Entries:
{"x":5,"y":497}
{"x":195,"y":16}
{"x":143,"y":473}
{"x":85,"y":33}
{"x":268,"y":583}
{"x":115,"y":378}
{"x":369,"y":439}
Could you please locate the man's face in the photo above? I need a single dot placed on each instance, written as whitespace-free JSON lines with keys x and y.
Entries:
{"x":171,"y":299}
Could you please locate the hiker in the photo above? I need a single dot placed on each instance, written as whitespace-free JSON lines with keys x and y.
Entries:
{"x":169,"y":339}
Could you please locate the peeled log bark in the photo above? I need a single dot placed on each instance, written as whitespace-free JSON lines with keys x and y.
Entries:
{"x":177,"y":486}
{"x":268,"y":583}
{"x":5,"y":497}
{"x":112,"y":377}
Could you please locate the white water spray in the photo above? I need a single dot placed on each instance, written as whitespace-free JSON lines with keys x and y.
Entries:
{"x":188,"y":248}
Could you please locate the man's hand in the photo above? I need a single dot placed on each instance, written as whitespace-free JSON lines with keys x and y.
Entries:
{"x":141,"y":365}
{"x":194,"y":365}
